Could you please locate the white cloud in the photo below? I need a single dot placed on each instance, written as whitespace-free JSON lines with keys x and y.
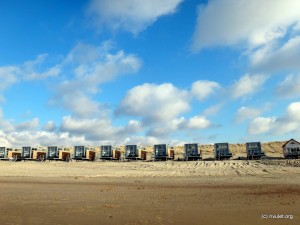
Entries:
{"x":160,"y":107}
{"x":8,"y":77}
{"x":287,"y":123}
{"x":96,"y":64}
{"x":272,"y":57}
{"x":155,"y":103}
{"x":89,"y":128}
{"x":3,"y":139}
{"x":30,"y":70}
{"x":198,"y":122}
{"x":143,"y":140}
{"x":293,"y":112}
{"x":5,"y":125}
{"x":41,"y":138}
{"x":77,"y":102}
{"x":28,"y":125}
{"x":50,"y":126}
{"x":130,"y":15}
{"x":245,"y":113}
{"x":201,"y":89}
{"x":212,"y":110}
{"x":289,"y":88}
{"x":87,"y":73}
{"x":261,"y":125}
{"x":164,"y":129}
{"x":95,"y":129}
{"x":247,"y":85}
{"x":252,"y":22}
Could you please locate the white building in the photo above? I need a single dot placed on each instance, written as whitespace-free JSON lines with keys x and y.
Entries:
{"x":291,"y":149}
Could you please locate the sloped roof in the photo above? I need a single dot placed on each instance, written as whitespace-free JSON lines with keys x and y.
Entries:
{"x":289,"y":141}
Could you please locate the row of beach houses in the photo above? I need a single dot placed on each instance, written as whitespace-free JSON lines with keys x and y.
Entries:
{"x":161,"y":152}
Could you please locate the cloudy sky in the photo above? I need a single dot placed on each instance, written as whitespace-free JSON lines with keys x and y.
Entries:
{"x":145,"y":72}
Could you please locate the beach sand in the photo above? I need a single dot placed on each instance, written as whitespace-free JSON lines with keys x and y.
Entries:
{"x":184,"y":193}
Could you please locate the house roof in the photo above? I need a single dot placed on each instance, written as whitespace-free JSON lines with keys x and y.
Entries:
{"x":289,"y":141}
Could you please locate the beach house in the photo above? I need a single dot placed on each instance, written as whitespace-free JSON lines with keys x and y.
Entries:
{"x":291,"y":149}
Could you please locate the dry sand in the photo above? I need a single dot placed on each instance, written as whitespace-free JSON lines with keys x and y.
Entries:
{"x":184,"y":193}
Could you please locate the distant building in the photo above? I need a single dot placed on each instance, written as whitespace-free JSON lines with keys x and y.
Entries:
{"x":191,"y":152}
{"x":79,"y":152}
{"x":3,"y":152}
{"x":291,"y":149}
{"x":107,"y":153}
{"x":133,"y":153}
{"x":161,"y":152}
{"x":254,"y":150}
{"x":26,"y":152}
{"x":52,"y":152}
{"x":222,"y":151}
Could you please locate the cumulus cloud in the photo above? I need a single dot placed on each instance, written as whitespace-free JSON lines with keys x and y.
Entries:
{"x":198,"y":122}
{"x":89,"y":66}
{"x":163,"y":130}
{"x":273,"y":58}
{"x":8,"y":76}
{"x":287,"y":123}
{"x":130,"y":15}
{"x":50,"y":126}
{"x":98,"y":64}
{"x":261,"y":125}
{"x":247,"y":85}
{"x":5,"y":125}
{"x":201,"y":89}
{"x":143,"y":140}
{"x":155,"y":103}
{"x":31,"y":69}
{"x":271,"y":46}
{"x":72,"y":131}
{"x":28,"y":125}
{"x":89,"y":128}
{"x":289,"y":87}
{"x":160,"y":108}
{"x":97,"y":129}
{"x":42,"y":138}
{"x":253,"y":22}
{"x":3,"y":139}
{"x":247,"y":113}
{"x":213,"y":110}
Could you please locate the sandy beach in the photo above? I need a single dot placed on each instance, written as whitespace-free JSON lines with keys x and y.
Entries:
{"x":235,"y":192}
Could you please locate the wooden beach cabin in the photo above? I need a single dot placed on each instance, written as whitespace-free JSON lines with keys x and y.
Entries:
{"x":191,"y":152}
{"x":14,"y":155}
{"x":52,"y":153}
{"x":107,"y":153}
{"x":133,"y":153}
{"x":161,"y":152}
{"x":90,"y":154}
{"x":291,"y":149}
{"x":39,"y":155}
{"x":222,"y":151}
{"x":64,"y":155}
{"x":254,"y":150}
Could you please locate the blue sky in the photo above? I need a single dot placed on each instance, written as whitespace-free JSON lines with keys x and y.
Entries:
{"x":147,"y":72}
